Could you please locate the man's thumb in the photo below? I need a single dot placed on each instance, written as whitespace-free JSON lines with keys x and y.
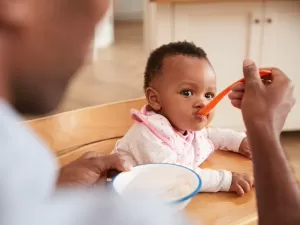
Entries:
{"x":251,"y":72}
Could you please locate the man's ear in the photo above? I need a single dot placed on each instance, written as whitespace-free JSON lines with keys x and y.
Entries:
{"x":153,"y":98}
{"x":15,"y":13}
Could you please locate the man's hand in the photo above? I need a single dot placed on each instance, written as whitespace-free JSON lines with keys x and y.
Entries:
{"x":266,"y":106}
{"x":90,"y":169}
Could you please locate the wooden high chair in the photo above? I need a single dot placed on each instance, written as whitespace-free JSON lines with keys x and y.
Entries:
{"x":97,"y":128}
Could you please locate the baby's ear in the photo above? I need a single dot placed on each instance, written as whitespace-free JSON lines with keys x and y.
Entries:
{"x":153,"y":98}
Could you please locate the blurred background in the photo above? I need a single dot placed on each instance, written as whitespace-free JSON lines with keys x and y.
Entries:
{"x":114,"y":69}
{"x":267,"y":31}
{"x":229,"y":31}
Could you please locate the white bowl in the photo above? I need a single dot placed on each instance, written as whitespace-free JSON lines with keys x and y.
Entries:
{"x":174,"y":184}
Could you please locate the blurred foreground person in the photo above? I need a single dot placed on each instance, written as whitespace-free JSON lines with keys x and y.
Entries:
{"x":42,"y":45}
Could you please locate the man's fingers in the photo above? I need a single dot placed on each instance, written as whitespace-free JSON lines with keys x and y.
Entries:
{"x":252,"y":77}
{"x":266,"y":82}
{"x":239,"y":87}
{"x":276,"y":74}
{"x":113,"y":161}
{"x":236,"y":103}
{"x":236,"y":95}
{"x":280,"y":79}
{"x":251,"y":74}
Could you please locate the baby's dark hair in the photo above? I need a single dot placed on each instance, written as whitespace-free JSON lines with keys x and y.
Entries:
{"x":155,"y":60}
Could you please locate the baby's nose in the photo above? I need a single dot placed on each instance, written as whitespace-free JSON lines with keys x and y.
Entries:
{"x":201,"y":104}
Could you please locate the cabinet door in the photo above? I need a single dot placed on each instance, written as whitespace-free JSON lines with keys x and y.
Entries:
{"x":229,"y":33}
{"x":281,"y":47}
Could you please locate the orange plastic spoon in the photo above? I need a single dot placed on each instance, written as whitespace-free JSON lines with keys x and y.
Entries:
{"x":211,"y":105}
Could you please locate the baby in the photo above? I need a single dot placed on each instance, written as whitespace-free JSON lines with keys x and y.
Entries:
{"x":179,"y":81}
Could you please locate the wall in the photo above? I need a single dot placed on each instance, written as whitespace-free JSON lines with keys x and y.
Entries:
{"x":129,"y":9}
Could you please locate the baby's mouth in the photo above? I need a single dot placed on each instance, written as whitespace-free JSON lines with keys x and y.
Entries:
{"x":201,"y":118}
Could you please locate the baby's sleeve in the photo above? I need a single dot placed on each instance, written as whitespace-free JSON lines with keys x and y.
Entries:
{"x":225,"y":139}
{"x":141,"y":146}
{"x":214,"y":180}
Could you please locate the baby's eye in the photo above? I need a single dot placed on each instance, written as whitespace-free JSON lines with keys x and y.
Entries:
{"x":209,"y":95}
{"x":186,"y":93}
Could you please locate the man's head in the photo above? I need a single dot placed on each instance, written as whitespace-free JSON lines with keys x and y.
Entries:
{"x":45,"y":44}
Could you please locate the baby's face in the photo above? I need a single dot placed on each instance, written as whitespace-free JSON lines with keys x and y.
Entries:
{"x":186,"y":85}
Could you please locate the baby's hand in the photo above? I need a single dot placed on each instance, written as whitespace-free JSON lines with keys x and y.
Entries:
{"x":241,"y":183}
{"x":245,"y":149}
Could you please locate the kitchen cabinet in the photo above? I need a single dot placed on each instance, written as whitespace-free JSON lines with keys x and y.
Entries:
{"x":230,"y":31}
{"x":281,"y":46}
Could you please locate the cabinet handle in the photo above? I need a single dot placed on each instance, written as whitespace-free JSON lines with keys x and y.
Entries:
{"x":269,"y":20}
{"x":256,"y":21}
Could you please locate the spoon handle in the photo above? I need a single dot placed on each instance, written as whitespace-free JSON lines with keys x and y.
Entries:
{"x":211,"y":105}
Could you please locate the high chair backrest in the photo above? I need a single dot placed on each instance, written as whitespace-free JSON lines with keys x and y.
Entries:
{"x":97,"y":128}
